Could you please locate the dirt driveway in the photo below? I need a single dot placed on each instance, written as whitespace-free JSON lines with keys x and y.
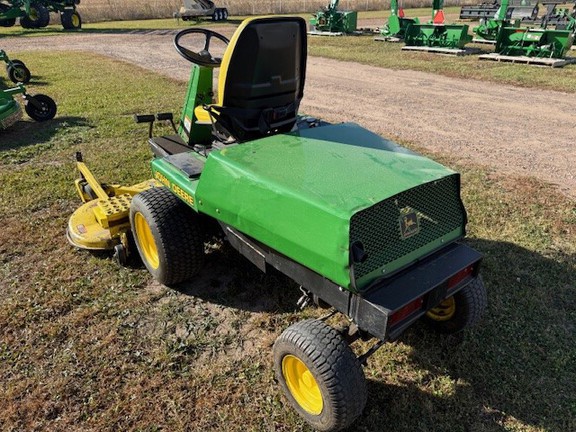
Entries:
{"x":509,"y":129}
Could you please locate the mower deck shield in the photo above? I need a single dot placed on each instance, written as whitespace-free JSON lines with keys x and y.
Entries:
{"x":10,"y":112}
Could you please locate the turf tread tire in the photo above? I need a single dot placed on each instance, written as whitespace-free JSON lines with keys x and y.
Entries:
{"x":176,"y":231}
{"x":335,"y":368}
{"x":42,"y":17}
{"x":471,"y":303}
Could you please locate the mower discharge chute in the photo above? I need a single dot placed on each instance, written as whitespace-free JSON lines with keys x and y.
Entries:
{"x":362,"y":224}
{"x":436,"y":36}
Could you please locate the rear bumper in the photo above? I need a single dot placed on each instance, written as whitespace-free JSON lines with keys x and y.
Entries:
{"x":424,"y":285}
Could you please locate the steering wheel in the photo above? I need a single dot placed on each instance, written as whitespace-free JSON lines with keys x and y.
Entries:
{"x":201,"y":58}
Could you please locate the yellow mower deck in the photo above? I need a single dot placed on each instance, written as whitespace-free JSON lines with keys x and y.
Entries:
{"x":101,"y":223}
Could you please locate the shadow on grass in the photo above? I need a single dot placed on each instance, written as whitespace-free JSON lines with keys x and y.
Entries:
{"x":516,"y":370}
{"x":27,"y":132}
{"x":232,"y":281}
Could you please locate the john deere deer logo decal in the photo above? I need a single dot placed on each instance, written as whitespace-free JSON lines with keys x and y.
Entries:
{"x":409,"y":222}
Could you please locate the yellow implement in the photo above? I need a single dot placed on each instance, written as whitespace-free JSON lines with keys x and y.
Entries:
{"x":102,"y":222}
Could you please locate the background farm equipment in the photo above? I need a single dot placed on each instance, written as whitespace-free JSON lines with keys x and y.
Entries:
{"x":36,"y":13}
{"x":518,"y":9}
{"x":331,"y":21}
{"x":16,"y":69}
{"x":436,"y":36}
{"x":196,"y":9}
{"x":10,"y":11}
{"x":39,"y":107}
{"x":395,"y":28}
{"x":534,"y":42}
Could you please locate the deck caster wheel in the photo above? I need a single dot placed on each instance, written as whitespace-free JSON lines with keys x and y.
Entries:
{"x":167,"y":234}
{"x":320,"y":375}
{"x":463,"y":309}
{"x":18,"y":72}
{"x":40,"y":107}
{"x":120,"y":255}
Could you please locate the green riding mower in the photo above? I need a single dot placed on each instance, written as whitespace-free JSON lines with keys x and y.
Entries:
{"x":364,"y":226}
{"x":39,"y":107}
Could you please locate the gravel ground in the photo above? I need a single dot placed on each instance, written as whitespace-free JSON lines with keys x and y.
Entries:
{"x":526,"y":132}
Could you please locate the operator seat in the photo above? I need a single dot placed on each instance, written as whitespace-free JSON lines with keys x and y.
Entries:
{"x":261,"y":80}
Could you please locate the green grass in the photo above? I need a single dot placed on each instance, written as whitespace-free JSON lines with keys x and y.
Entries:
{"x":86,"y":345}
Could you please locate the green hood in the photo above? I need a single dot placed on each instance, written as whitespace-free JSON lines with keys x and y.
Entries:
{"x":298,"y":192}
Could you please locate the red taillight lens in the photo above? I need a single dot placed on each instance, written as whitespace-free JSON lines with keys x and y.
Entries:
{"x":460,"y":276}
{"x":402,"y":313}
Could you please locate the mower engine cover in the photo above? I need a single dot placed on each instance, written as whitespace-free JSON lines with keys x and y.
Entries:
{"x":338,"y":199}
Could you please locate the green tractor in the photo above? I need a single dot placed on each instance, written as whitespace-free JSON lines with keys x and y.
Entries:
{"x":436,"y":36}
{"x":364,"y":226}
{"x":395,"y":28}
{"x":330,"y":21}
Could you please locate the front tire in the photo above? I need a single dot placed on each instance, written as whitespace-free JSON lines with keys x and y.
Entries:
{"x":167,"y":235}
{"x":320,"y":375}
{"x":40,"y":107}
{"x":19,"y":73}
{"x":463,"y":309}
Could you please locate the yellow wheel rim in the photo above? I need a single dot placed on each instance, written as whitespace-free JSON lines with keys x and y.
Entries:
{"x":302,"y":385}
{"x":146,"y":240}
{"x":75,"y":21}
{"x":444,"y":311}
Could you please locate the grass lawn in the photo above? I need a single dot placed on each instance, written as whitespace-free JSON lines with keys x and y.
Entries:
{"x":87,"y":345}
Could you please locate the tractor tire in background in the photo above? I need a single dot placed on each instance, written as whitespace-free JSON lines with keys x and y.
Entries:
{"x":167,"y":234}
{"x":320,"y":375}
{"x":40,"y":107}
{"x":463,"y":309}
{"x":39,"y":17}
{"x":71,"y":20}
{"x":6,"y":22}
{"x":18,"y":72}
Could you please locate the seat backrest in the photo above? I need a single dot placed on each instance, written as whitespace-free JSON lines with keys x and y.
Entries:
{"x":262,"y":77}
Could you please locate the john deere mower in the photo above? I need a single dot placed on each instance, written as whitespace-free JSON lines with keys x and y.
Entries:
{"x":365,"y":226}
{"x":436,"y":35}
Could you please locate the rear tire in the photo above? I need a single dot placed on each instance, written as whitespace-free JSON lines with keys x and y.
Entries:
{"x":463,"y":309}
{"x":320,"y":375}
{"x":71,"y":20}
{"x":40,"y":107}
{"x":38,"y":17}
{"x":167,"y":235}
